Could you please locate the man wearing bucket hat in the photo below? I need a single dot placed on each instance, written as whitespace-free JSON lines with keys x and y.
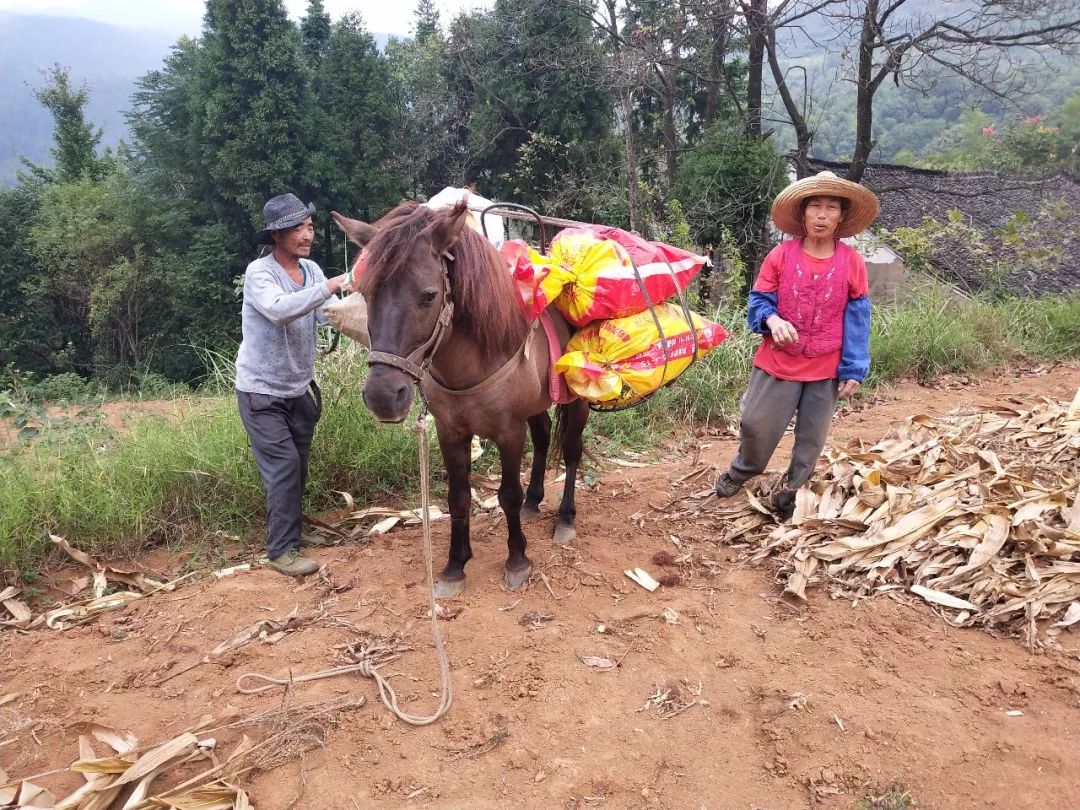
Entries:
{"x":275,"y":369}
{"x":810,"y":302}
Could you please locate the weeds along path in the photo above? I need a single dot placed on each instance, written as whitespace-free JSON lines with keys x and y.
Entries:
{"x":723,"y":695}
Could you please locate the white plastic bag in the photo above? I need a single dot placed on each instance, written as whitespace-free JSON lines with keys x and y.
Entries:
{"x":349,"y":316}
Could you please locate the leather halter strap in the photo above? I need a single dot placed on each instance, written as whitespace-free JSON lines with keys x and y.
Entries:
{"x":416,"y":364}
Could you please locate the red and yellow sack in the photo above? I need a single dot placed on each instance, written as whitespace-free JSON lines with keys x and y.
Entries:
{"x":620,"y":361}
{"x":589,"y":273}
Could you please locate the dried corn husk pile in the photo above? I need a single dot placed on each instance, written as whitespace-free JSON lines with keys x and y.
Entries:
{"x":123,"y":778}
{"x":199,"y":774}
{"x":95,"y":593}
{"x":976,"y":512}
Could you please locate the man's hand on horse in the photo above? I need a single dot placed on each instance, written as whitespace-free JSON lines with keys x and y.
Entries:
{"x":336,"y":283}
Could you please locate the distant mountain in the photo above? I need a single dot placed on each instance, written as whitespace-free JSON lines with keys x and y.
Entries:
{"x":107,"y":58}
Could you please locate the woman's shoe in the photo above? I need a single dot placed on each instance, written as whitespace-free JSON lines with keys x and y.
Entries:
{"x":783,"y":503}
{"x":726,"y":486}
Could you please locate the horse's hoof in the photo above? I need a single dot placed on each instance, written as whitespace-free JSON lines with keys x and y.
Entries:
{"x":514,"y":580}
{"x":449,"y":588}
{"x":529,"y":513}
{"x":564,"y":534}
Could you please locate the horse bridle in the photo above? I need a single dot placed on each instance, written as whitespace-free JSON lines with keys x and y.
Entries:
{"x":418,"y":360}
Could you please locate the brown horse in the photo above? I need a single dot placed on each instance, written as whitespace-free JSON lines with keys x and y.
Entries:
{"x":442,"y":312}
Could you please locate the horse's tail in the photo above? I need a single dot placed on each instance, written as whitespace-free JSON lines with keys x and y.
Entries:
{"x":558,"y":436}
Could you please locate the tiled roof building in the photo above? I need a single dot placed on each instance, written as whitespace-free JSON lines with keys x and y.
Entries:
{"x":987,"y":200}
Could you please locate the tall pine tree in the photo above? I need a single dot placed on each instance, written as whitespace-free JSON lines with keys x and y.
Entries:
{"x":252,"y":81}
{"x":433,"y":129}
{"x":315,"y":33}
{"x":359,"y":140}
{"x":427,"y":20}
{"x":75,"y":140}
{"x":538,"y":121}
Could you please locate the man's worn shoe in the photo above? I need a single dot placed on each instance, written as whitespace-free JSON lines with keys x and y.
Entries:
{"x":293,"y":564}
{"x":313,"y":540}
{"x":726,"y":486}
{"x":783,"y":503}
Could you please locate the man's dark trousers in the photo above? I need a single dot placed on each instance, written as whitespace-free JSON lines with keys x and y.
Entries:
{"x":280,"y":431}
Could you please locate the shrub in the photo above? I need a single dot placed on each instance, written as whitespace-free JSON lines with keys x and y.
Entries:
{"x":65,"y":387}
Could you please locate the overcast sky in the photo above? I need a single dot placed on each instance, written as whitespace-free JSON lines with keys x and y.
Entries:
{"x":185,"y":16}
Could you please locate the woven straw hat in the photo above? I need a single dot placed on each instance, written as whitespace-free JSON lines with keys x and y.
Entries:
{"x":862,"y":211}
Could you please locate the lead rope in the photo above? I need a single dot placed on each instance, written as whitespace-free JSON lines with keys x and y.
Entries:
{"x":366,"y":668}
{"x":440,"y":651}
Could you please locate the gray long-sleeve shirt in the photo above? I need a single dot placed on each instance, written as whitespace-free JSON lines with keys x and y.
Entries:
{"x":277,"y":353}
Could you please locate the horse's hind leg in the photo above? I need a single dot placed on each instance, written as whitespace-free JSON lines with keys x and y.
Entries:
{"x":575,"y":415}
{"x":518,"y":567}
{"x":540,"y":430}
{"x":456,"y":451}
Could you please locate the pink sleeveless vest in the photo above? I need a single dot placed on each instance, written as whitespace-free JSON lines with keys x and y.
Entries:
{"x":815,"y":306}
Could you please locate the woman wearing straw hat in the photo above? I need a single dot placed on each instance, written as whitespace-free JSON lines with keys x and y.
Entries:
{"x":810,"y":302}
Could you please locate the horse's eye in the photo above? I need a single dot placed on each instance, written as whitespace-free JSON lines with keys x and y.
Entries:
{"x":427,"y":297}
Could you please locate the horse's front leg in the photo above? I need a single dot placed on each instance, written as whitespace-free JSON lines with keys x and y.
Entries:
{"x":518,"y":567}
{"x":540,"y":431}
{"x":576,"y":414}
{"x":455,"y":452}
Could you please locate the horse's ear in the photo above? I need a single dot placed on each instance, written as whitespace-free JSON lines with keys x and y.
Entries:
{"x":359,"y":232}
{"x":449,"y":226}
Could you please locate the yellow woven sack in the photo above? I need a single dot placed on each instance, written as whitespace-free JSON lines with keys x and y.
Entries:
{"x":620,"y":361}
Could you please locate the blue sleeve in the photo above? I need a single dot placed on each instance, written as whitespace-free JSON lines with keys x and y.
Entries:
{"x":855,"y":349}
{"x":762,"y":306}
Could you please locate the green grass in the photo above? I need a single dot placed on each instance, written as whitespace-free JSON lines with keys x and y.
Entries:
{"x":894,"y":797}
{"x":178,"y":479}
{"x":937,"y":332}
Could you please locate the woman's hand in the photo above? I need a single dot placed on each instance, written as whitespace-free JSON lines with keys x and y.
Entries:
{"x":847,"y":388}
{"x":783,"y":332}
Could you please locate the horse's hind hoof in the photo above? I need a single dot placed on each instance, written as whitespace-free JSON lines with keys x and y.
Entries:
{"x":529,"y":513}
{"x":564,"y":534}
{"x":514,"y":580}
{"x":449,"y":588}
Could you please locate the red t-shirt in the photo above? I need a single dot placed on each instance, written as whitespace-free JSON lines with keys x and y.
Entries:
{"x":773,"y":360}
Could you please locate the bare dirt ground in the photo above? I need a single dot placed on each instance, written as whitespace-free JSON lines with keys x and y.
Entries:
{"x":117,"y":416}
{"x":824,"y":707}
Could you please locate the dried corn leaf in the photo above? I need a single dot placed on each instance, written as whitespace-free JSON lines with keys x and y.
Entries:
{"x":262,"y":628}
{"x":113,"y":765}
{"x":942,"y":598}
{"x":122,"y":742}
{"x":158,"y":758}
{"x":75,"y":554}
{"x":103,"y":799}
{"x":70,"y":615}
{"x":385,"y":525}
{"x":216,"y":796}
{"x":26,"y":794}
{"x":1071,"y":617}
{"x":20,"y":613}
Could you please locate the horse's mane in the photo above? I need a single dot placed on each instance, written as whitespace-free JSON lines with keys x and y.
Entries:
{"x":485,"y":301}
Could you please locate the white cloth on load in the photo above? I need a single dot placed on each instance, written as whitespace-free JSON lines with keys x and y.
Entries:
{"x":349,"y":316}
{"x":449,"y":196}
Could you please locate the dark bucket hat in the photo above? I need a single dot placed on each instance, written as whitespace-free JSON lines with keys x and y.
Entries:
{"x":281,"y":212}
